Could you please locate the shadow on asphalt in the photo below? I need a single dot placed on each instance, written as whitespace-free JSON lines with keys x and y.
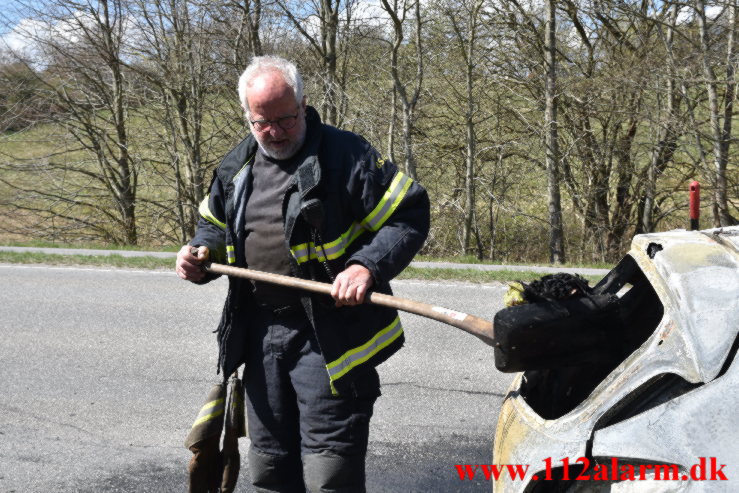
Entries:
{"x":391,"y":468}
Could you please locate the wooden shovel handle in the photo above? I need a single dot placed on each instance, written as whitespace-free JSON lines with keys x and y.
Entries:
{"x":476,"y":326}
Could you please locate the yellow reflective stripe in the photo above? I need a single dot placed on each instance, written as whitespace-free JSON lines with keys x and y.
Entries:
{"x":336,"y":248}
{"x":389,"y":202}
{"x":204,"y":208}
{"x":208,"y":215}
{"x":230,"y":254}
{"x":243,"y":168}
{"x":301,"y":252}
{"x":209,"y":411}
{"x":355,"y":357}
{"x":374,"y":220}
{"x":327,"y":251}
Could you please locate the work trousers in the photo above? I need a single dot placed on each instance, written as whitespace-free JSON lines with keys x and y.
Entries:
{"x":303,"y":438}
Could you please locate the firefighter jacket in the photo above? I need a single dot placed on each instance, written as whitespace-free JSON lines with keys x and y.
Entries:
{"x":345,"y":204}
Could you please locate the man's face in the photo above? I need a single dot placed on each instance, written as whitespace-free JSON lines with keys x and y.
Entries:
{"x":271,"y":104}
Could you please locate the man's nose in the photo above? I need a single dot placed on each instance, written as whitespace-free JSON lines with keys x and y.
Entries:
{"x":276,"y":130}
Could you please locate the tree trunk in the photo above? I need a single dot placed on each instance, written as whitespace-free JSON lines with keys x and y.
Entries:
{"x":391,"y":126}
{"x":470,"y":133}
{"x":556,"y":233}
{"x":125,"y":184}
{"x":721,"y":198}
{"x":720,"y":136}
{"x":329,"y":29}
{"x":398,"y":14}
{"x":667,"y":137}
{"x":254,"y":17}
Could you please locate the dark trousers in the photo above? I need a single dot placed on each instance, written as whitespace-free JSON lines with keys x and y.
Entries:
{"x":302,"y":436}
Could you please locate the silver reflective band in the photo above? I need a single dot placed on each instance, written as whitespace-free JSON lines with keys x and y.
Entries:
{"x":358,"y":355}
{"x":328,"y":251}
{"x":374,"y":220}
{"x":209,"y":411}
{"x":393,"y":195}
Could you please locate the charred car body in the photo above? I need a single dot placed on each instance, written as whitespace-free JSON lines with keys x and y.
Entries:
{"x":641,"y":373}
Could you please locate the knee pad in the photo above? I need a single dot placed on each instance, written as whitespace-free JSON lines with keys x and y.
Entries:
{"x":275,"y":474}
{"x":330,"y":473}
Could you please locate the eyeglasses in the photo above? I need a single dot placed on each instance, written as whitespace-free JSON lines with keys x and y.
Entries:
{"x":285,"y":122}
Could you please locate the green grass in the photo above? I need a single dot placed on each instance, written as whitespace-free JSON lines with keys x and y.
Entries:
{"x":32,"y":142}
{"x":430,"y":274}
{"x":471,"y":259}
{"x":98,"y":261}
{"x":476,"y":276}
{"x":91,"y":246}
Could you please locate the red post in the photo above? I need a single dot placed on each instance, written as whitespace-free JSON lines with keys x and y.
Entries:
{"x":695,"y":205}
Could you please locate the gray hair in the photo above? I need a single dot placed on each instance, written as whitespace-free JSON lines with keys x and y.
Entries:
{"x":263,"y":64}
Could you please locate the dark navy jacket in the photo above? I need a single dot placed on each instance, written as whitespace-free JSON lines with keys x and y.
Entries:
{"x":345,"y":205}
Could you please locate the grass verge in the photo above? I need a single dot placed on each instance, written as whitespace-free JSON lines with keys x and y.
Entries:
{"x":476,"y":276}
{"x":471,"y":259}
{"x":424,"y":274}
{"x":99,"y":261}
{"x":91,"y":246}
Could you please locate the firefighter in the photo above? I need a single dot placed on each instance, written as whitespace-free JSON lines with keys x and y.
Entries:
{"x":302,"y":198}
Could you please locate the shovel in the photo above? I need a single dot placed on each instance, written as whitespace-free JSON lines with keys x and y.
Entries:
{"x":478,"y":327}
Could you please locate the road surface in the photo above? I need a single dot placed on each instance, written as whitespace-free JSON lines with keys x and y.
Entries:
{"x":104,"y":370}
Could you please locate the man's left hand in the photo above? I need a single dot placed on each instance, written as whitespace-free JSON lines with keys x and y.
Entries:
{"x":351,"y":285}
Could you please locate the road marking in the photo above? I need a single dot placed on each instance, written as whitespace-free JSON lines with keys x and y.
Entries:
{"x":89,"y":269}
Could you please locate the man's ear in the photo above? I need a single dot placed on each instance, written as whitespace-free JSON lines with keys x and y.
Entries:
{"x":302,"y":103}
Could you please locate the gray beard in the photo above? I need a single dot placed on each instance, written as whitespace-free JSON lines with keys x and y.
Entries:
{"x":283,"y":154}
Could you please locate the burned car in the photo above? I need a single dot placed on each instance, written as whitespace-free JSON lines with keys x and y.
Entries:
{"x":634,"y":387}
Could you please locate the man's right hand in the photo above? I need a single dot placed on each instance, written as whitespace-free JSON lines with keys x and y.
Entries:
{"x":188,"y":265}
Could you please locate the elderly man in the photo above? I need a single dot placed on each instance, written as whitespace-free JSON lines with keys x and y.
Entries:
{"x":301,"y":198}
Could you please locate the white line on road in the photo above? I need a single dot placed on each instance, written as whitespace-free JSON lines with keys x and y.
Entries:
{"x":91,"y":269}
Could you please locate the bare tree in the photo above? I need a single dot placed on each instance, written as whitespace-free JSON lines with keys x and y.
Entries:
{"x":325,"y":44}
{"x":464,"y":19}
{"x":409,"y":96}
{"x":493,"y":105}
{"x":20,"y":105}
{"x":84,"y":79}
{"x":607,"y":113}
{"x":720,"y":132}
{"x":251,"y":19}
{"x":669,"y":132}
{"x":391,"y":125}
{"x":556,"y":234}
{"x":188,"y":115}
{"x":239,"y":26}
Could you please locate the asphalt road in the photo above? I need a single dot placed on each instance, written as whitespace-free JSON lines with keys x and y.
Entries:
{"x":102,"y":372}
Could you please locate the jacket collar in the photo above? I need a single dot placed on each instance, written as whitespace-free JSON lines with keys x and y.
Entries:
{"x":309,"y":171}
